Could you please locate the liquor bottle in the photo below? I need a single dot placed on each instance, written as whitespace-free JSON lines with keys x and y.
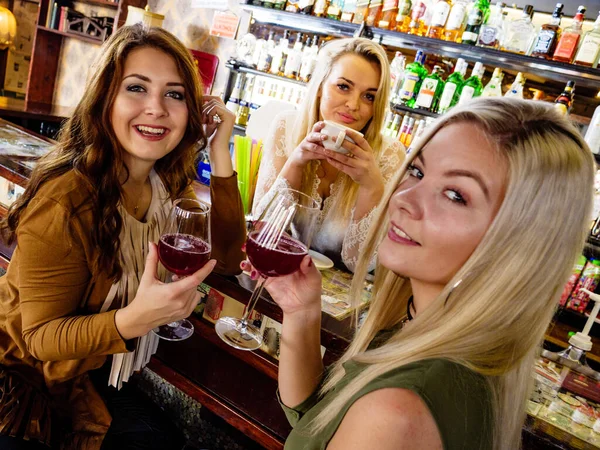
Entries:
{"x":477,"y":15}
{"x":455,"y":22}
{"x":431,"y":90}
{"x":589,"y":50}
{"x":374,"y":12}
{"x":397,"y":67}
{"x":280,"y":53}
{"x":545,"y":43}
{"x":267,"y":4}
{"x":259,"y":47}
{"x":279,"y":4}
{"x":410,"y":128}
{"x":334,"y":11}
{"x":387,"y":125}
{"x":441,"y":11}
{"x":395,"y":127}
{"x":320,"y":8}
{"x":403,"y":16}
{"x":494,"y":86}
{"x":569,"y":40}
{"x":417,"y":20}
{"x":241,"y":116}
{"x":413,"y":76}
{"x":233,"y":102}
{"x":490,"y":33}
{"x":306,"y":6}
{"x":564,"y":101}
{"x":362,"y":9}
{"x":472,"y":87}
{"x":516,"y":89}
{"x":403,"y":127}
{"x":266,"y":55}
{"x":349,"y":10}
{"x":388,"y":15}
{"x":519,"y":33}
{"x":294,"y":59}
{"x":309,"y":59}
{"x":456,"y":79}
{"x":592,"y":136}
{"x":292,"y":6}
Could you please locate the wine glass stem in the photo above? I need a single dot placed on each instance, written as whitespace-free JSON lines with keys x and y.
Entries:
{"x":253,"y":300}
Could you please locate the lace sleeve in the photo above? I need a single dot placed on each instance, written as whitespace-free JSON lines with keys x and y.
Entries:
{"x":389,"y":162}
{"x":274,"y":157}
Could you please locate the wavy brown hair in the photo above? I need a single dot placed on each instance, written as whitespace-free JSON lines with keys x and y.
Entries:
{"x":87,"y":143}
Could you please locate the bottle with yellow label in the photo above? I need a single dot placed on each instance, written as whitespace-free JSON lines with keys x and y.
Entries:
{"x":564,"y":101}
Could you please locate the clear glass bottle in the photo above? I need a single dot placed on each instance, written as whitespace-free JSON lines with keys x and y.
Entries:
{"x":546,"y":40}
{"x":266,"y":56}
{"x":589,"y":50}
{"x":233,"y":102}
{"x":516,"y":89}
{"x":494,"y":86}
{"x":473,"y":86}
{"x":280,"y":53}
{"x":309,"y":59}
{"x":519,"y":33}
{"x":294,"y":60}
{"x":388,"y":15}
{"x":569,"y":40}
{"x":348,"y":10}
{"x":449,"y":96}
{"x":441,"y":11}
{"x":456,"y":21}
{"x":592,"y":136}
{"x":490,"y":33}
{"x":417,"y":19}
{"x":403,"y":17}
{"x":397,"y":67}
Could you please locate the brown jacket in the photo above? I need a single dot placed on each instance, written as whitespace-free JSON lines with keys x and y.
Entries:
{"x":51,"y":331}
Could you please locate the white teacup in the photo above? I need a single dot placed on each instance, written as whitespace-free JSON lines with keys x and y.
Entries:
{"x":336,"y":134}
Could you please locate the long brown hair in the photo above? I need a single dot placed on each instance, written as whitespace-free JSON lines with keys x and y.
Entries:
{"x":87,"y":143}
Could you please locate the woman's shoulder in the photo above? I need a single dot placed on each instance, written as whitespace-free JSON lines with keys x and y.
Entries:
{"x":68,"y":190}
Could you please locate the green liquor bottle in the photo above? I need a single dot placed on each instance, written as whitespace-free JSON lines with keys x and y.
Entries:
{"x":477,"y":17}
{"x":431,"y":90}
{"x":414,"y":74}
{"x":472,"y":87}
{"x":453,"y":84}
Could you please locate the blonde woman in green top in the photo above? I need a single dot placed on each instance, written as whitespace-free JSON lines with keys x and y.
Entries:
{"x":475,"y":241}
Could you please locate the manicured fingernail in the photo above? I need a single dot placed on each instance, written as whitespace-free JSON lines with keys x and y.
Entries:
{"x":310,"y":263}
{"x":323,"y":137}
{"x":243,"y":265}
{"x":253,"y":274}
{"x":244,"y":247}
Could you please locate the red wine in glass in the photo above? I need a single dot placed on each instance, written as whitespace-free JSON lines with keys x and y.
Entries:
{"x":184,"y":248}
{"x":276,"y":245}
{"x":282,"y":260}
{"x":183,"y":254}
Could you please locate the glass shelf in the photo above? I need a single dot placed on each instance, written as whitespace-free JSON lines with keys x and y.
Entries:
{"x":553,"y":70}
{"x":235,"y":65}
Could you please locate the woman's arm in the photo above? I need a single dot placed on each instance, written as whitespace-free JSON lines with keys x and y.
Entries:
{"x":54,"y":278}
{"x":395,"y":419}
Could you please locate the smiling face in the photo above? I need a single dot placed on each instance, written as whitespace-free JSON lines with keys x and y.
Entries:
{"x":348,"y":93}
{"x":149,"y":115}
{"x":440,"y":213}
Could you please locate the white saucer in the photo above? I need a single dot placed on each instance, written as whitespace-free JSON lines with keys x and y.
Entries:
{"x":322,"y":262}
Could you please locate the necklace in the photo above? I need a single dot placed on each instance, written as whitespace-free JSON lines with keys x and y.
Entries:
{"x":409,"y":305}
{"x":139,"y":197}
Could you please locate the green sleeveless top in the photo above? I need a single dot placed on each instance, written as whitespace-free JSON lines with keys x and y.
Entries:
{"x":458,"y":398}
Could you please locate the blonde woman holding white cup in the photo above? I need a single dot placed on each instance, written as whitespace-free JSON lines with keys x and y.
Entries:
{"x":350,"y":87}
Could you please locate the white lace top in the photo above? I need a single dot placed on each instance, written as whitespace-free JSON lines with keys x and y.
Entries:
{"x":134,"y":238}
{"x":346,"y":238}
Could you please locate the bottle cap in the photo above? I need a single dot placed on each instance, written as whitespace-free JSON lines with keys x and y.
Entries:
{"x":420,"y":57}
{"x":528,"y":9}
{"x":581,"y":10}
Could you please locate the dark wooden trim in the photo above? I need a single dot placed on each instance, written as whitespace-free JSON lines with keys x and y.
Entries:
{"x":44,"y":66}
{"x":208,"y":400}
{"x":89,"y":39}
{"x":105,"y":3}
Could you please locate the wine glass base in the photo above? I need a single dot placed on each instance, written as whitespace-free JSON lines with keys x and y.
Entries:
{"x":182,"y":331}
{"x":235,"y":334}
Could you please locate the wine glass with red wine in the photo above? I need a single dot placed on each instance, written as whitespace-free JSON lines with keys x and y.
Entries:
{"x":276,"y":245}
{"x":184,"y":248}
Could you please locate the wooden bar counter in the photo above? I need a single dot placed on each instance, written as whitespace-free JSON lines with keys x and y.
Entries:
{"x":239,"y":386}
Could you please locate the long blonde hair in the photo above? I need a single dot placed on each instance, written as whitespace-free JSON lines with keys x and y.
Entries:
{"x":308,"y":113}
{"x":494,"y":321}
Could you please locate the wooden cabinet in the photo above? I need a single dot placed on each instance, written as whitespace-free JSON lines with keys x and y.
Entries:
{"x":45,"y":58}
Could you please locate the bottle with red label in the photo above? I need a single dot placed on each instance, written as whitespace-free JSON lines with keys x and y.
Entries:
{"x":417,"y":19}
{"x":567,"y":45}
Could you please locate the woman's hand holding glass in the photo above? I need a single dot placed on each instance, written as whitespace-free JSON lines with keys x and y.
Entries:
{"x":157,"y":303}
{"x":310,"y":149}
{"x":298,"y":292}
{"x":359,"y":164}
